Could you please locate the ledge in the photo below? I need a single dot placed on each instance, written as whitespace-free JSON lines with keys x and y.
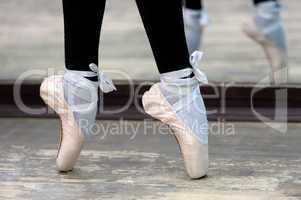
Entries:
{"x":229,"y":102}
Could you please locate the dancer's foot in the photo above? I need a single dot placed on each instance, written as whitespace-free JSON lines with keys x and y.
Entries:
{"x":74,"y":98}
{"x":267,"y":30}
{"x":177,"y":102}
{"x":195,"y":22}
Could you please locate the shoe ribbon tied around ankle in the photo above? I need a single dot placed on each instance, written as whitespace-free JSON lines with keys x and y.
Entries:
{"x":85,"y":89}
{"x":81,"y":94}
{"x":195,"y":59}
{"x":105,"y":83}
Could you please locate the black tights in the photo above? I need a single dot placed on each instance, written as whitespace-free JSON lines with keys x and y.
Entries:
{"x":198,"y":4}
{"x":162,"y":19}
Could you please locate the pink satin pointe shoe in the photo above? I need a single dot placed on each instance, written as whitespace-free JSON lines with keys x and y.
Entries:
{"x":178,"y":103}
{"x":74,"y":98}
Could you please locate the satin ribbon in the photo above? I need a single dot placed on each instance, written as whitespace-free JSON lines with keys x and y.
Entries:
{"x":195,"y":59}
{"x":105,"y":83}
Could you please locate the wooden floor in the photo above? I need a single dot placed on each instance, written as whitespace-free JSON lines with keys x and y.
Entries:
{"x":140,"y":160}
{"x":127,"y":160}
{"x":31,"y":37}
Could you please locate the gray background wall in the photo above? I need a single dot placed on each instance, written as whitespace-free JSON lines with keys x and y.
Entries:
{"x":31,"y":37}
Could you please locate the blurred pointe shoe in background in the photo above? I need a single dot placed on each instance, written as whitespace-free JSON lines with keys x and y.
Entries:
{"x":195,"y":22}
{"x":267,"y":30}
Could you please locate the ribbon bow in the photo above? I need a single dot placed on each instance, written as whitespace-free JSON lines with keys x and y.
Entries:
{"x":195,"y":59}
{"x":105,"y":83}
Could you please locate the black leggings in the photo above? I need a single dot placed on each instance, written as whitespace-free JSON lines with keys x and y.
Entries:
{"x":162,"y":19}
{"x":198,"y":4}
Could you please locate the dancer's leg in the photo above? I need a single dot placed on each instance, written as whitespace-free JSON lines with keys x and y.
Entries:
{"x":74,"y":95}
{"x":261,"y":1}
{"x":194,"y":4}
{"x":176,"y":100}
{"x":163,"y":21}
{"x":82,"y":23}
{"x":195,"y":19}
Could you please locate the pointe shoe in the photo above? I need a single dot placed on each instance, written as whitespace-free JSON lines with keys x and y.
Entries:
{"x":271,"y":38}
{"x":187,"y":119}
{"x":75,"y":120}
{"x":71,"y":139}
{"x":195,"y":22}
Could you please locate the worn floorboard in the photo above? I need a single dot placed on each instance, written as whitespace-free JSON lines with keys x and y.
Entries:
{"x":139,"y":160}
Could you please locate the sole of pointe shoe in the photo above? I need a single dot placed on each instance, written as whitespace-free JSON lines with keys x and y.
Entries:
{"x":59,"y":166}
{"x":47,"y":93}
{"x":60,"y":138}
{"x":276,"y":58}
{"x":44,"y":94}
{"x":192,"y":171}
{"x":193,"y":176}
